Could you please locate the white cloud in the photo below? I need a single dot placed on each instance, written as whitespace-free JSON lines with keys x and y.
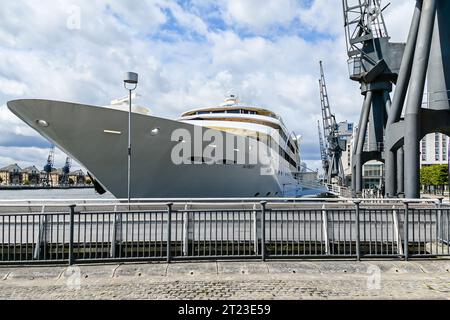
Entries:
{"x":184,"y":60}
{"x":11,"y":87}
{"x":260,"y":15}
{"x":323,"y":17}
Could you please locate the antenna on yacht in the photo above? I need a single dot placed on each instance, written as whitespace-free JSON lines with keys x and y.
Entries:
{"x":231,"y":99}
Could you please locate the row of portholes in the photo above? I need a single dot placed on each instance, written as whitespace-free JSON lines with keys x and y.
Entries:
{"x":267,"y":195}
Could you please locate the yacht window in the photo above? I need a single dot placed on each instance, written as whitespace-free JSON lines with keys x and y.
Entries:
{"x":233,"y":111}
{"x":257,"y":195}
{"x":200,"y":160}
{"x":225,"y":161}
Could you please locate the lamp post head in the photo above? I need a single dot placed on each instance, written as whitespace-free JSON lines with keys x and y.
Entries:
{"x":131,"y":78}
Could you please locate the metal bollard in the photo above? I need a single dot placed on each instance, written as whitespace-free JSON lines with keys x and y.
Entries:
{"x":71,"y":234}
{"x":169,"y":230}
{"x":358,"y":245}
{"x":263,"y":230}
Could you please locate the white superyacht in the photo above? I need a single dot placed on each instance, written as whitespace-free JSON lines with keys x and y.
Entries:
{"x":230,"y":150}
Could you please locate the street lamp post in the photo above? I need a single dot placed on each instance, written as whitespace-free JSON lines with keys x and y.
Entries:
{"x":131,"y":80}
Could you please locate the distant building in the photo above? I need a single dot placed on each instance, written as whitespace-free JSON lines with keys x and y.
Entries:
{"x":53,"y":178}
{"x":345,"y":129}
{"x":373,"y":171}
{"x":11,"y":175}
{"x":14,"y":175}
{"x":434,"y":149}
{"x":78,"y":177}
{"x":32,"y":175}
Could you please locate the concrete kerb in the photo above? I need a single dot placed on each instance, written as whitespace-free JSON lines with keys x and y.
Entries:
{"x":32,"y":273}
{"x":293,"y":267}
{"x":192,"y":269}
{"x":242,"y":268}
{"x":94,"y":273}
{"x":141,"y":270}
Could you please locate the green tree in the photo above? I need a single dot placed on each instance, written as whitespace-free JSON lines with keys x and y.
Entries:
{"x":436,"y":176}
{"x":441,"y":176}
{"x":426,"y":178}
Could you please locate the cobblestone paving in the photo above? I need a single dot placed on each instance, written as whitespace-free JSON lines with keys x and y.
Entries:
{"x":145,"y":282}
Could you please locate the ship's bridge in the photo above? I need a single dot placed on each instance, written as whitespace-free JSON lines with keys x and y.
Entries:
{"x":232,"y":106}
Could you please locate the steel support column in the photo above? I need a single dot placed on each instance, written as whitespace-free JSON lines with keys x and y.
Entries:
{"x":414,"y":100}
{"x":400,"y":171}
{"x":362,"y":129}
{"x":395,"y":111}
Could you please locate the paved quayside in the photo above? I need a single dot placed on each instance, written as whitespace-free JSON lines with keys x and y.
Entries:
{"x":232,"y":280}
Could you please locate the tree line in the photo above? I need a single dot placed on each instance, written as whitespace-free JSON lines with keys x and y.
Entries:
{"x":434,"y":178}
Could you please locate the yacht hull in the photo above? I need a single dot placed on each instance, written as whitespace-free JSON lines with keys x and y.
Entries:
{"x":97,"y":138}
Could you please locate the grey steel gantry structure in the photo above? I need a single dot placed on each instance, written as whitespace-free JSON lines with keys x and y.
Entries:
{"x":334,"y":145}
{"x":426,"y":60}
{"x":66,"y":172}
{"x":48,"y":168}
{"x":323,"y":152}
{"x":374,"y":63}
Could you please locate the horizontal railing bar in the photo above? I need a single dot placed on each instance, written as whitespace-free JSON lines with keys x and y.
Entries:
{"x":122,"y":212}
{"x":29,"y":214}
{"x":215,"y":210}
{"x":216,"y":257}
{"x":139,"y":201}
{"x":35,"y":262}
{"x":315,"y":256}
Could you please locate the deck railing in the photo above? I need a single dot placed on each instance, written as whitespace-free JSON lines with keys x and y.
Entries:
{"x":191,"y":230}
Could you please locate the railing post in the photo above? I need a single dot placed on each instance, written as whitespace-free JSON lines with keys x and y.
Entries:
{"x":169,"y":230}
{"x":188,"y":229}
{"x":325,"y":229}
{"x":256,"y":230}
{"x":71,"y":234}
{"x":112,"y":253}
{"x":397,"y":233}
{"x":406,"y":231}
{"x":358,"y":245}
{"x":439,"y":231}
{"x":41,"y":235}
{"x":263,"y":230}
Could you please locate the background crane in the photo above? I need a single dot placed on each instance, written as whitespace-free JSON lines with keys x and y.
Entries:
{"x":334,"y":144}
{"x":65,"y":172}
{"x":323,"y":151}
{"x":374,"y":62}
{"x":48,"y":168}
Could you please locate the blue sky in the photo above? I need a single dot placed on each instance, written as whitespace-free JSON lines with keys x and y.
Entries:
{"x":188,"y":53}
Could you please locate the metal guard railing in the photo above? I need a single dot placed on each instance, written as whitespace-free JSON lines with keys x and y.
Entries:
{"x":156,"y":232}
